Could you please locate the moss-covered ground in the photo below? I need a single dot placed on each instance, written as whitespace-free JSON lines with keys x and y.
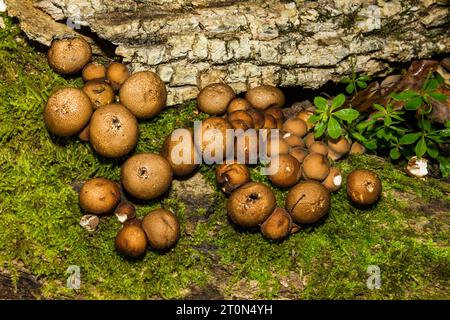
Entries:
{"x":406,"y":234}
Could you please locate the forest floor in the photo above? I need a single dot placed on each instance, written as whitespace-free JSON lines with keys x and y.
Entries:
{"x":406,"y":234}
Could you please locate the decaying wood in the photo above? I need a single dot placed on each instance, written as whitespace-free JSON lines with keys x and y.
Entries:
{"x":191,"y":43}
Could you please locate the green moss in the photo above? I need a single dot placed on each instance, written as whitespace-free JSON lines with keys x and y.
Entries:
{"x":39,"y":217}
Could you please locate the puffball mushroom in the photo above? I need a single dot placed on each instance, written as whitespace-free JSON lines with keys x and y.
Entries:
{"x":99,"y":92}
{"x":309,"y":139}
{"x":278,"y":226}
{"x":113,"y":131}
{"x":363,"y":187}
{"x":67,"y":112}
{"x":293,"y":140}
{"x":212,"y":139}
{"x":99,"y":196}
{"x":251,"y":204}
{"x":162,"y":229}
{"x":144,"y":94}
{"x":308,"y":202}
{"x":125,"y":211}
{"x":417,"y":167}
{"x":94,"y":71}
{"x":265,"y":96}
{"x":117,"y":74}
{"x":179,"y":150}
{"x":315,"y":167}
{"x":305,"y":115}
{"x":215,"y":98}
{"x":334,"y":180}
{"x":295,"y":126}
{"x":288,"y":171}
{"x":339,"y":147}
{"x":258,"y":118}
{"x":131,"y":240}
{"x":69,"y":55}
{"x":275,"y":146}
{"x":275,"y":112}
{"x":241,"y":116}
{"x":319,"y":147}
{"x":357,"y":148}
{"x":146,"y":176}
{"x":231,"y":176}
{"x":299,"y":153}
{"x":247,"y":147}
{"x":238,"y":104}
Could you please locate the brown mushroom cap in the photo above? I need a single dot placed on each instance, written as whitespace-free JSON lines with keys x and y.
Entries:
{"x":258,"y":118}
{"x":144,"y":94}
{"x":272,"y":145}
{"x":131,"y":240}
{"x":304,"y":115}
{"x":146,"y":176}
{"x":99,"y":196}
{"x":340,"y":145}
{"x":100,"y":93}
{"x":69,"y":55}
{"x":278,"y":225}
{"x":125,"y":211}
{"x":174,"y":152}
{"x":357,"y":148}
{"x":213,"y":137}
{"x":299,"y":153}
{"x":334,"y":180}
{"x":270,"y":122}
{"x":293,"y":140}
{"x":316,"y":167}
{"x":241,"y":116}
{"x":265,"y":96}
{"x":309,"y":139}
{"x":231,"y":176}
{"x":84,"y":134}
{"x":162,"y":229}
{"x":308,"y":202}
{"x":67,"y":112}
{"x":288,"y":173}
{"x":319,"y":147}
{"x":215,"y":98}
{"x":238,"y":104}
{"x":247,"y":147}
{"x":275,"y":112}
{"x":251,"y":204}
{"x":113,"y":131}
{"x":295,"y":126}
{"x":363,"y":187}
{"x":117,"y":74}
{"x":94,"y":71}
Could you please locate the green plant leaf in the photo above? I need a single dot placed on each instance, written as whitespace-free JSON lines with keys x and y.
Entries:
{"x":347,"y":114}
{"x":338,"y":101}
{"x":320,"y":103}
{"x":370,"y":144}
{"x":431,"y":85}
{"x":345,"y":80}
{"x":334,"y":128}
{"x":438,"y":96}
{"x":410,"y":138}
{"x":444,"y":165}
{"x":405,"y":95}
{"x":314,"y":118}
{"x":394,"y":153}
{"x":319,"y":129}
{"x":379,"y":107}
{"x":387,"y":121}
{"x":364,"y":78}
{"x":413,"y":103}
{"x":432,"y":151}
{"x":361,"y":84}
{"x":350,"y":88}
{"x":421,"y":148}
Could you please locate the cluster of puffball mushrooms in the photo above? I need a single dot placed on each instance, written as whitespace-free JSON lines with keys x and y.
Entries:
{"x":106,"y":110}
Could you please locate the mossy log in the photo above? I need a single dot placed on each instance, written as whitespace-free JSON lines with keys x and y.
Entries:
{"x":191,"y":43}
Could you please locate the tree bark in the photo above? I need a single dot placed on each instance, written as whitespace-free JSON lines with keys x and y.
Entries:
{"x":191,"y":43}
